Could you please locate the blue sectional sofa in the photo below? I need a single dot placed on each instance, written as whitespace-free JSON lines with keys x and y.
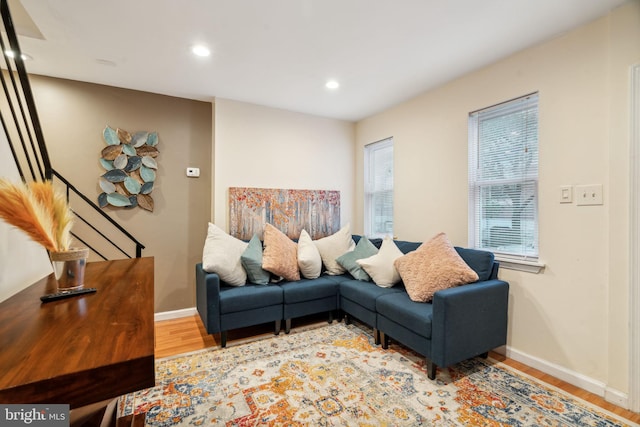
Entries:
{"x":459,"y":323}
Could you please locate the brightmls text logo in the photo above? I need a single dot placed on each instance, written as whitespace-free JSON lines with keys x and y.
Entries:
{"x":34,"y":415}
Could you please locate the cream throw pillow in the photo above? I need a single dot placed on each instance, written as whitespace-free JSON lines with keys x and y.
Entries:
{"x":331,"y":247}
{"x":221,"y":255}
{"x":380,"y":266}
{"x":434,"y":266}
{"x":280,"y":255}
{"x":309,"y":260}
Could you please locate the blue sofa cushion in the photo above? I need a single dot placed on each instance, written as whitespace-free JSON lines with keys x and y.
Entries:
{"x":365,"y":293}
{"x":248,"y":297}
{"x":407,"y":247}
{"x":480,"y":261}
{"x":308,"y":290}
{"x":415,"y":316}
{"x":404,"y":246}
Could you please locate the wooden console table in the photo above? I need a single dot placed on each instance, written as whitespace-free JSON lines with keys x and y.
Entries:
{"x":84,"y":349}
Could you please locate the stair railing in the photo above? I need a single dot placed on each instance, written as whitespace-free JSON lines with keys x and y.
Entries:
{"x":24,"y":133}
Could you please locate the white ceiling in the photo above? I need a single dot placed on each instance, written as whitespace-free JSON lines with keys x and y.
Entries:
{"x":280,"y":53}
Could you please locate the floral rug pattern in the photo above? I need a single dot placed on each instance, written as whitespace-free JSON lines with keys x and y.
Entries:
{"x":335,"y":376}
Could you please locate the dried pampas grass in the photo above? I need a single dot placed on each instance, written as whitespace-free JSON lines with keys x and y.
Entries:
{"x":38,"y":210}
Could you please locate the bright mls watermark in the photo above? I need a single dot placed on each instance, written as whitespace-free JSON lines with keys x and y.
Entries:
{"x":34,"y":415}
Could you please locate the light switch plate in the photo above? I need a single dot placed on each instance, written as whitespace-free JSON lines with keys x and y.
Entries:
{"x":193,"y":172}
{"x":566,"y":194}
{"x":588,"y":195}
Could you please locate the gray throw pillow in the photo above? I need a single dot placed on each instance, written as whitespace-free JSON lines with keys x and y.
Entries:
{"x":251,"y":260}
{"x":364,"y":249}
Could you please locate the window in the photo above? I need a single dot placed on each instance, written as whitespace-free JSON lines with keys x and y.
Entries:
{"x":378,"y":188}
{"x":503,"y":179}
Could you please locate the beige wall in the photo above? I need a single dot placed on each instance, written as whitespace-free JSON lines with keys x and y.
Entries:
{"x":264,"y":147}
{"x":73,"y":115}
{"x":575,"y":314}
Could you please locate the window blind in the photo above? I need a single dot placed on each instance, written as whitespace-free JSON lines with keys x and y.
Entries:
{"x":379,"y":188}
{"x":503,"y":178}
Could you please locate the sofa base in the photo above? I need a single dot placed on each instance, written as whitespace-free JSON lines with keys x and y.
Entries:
{"x":376,"y":333}
{"x":431,"y":367}
{"x":287,"y":322}
{"x":305,"y":308}
{"x":223,"y":334}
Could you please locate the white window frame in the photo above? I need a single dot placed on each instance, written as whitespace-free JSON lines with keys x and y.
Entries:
{"x":369,"y":187}
{"x":522,"y":259}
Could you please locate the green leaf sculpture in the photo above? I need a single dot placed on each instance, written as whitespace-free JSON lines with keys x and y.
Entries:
{"x":150,"y":162}
{"x":139,"y":139}
{"x":106,"y":164}
{"x":110,"y":136}
{"x":146,"y":188}
{"x":133,"y":164}
{"x":132,"y":185}
{"x":133,"y":199}
{"x":106,"y":185}
{"x":115,"y":175}
{"x":102,"y":200}
{"x":129,"y":160}
{"x":152,"y":139}
{"x":147,"y":175}
{"x":117,"y":199}
{"x":128,"y":149}
{"x":120,"y":162}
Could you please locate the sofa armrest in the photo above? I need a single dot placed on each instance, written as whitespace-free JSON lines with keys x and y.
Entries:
{"x":208,"y":299}
{"x":469,"y":320}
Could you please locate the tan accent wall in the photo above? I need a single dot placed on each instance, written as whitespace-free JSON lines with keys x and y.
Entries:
{"x":575,"y":314}
{"x":73,"y":115}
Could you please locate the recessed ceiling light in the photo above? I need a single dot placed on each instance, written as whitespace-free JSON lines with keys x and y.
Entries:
{"x":11,"y":54}
{"x":332,"y":84}
{"x":200,"y":50}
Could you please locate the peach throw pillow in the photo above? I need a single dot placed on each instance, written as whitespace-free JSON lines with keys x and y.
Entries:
{"x":280,"y":255}
{"x":434,"y":266}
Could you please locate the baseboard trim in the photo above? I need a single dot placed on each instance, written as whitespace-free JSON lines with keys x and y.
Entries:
{"x":175,"y":314}
{"x":617,"y":398}
{"x":574,"y":378}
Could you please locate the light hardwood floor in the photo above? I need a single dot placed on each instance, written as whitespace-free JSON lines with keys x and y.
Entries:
{"x":187,"y":334}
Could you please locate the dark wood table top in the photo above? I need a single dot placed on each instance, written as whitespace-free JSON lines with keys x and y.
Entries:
{"x":83,"y":349}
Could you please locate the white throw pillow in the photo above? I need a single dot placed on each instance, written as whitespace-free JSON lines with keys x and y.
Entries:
{"x":380,"y":266}
{"x":331,"y":247}
{"x":221,"y":255}
{"x":309,"y":259}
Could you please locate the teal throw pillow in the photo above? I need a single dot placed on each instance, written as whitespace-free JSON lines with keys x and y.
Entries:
{"x":251,"y":260}
{"x":364,"y":249}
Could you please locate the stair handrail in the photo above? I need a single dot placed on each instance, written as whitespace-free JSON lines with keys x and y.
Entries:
{"x":26,"y":89}
{"x":139,"y":246}
{"x":41,"y":154}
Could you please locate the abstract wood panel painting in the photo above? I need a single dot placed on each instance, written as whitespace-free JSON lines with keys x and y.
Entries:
{"x":291,"y":211}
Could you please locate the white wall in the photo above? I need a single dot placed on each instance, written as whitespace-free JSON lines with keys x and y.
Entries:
{"x":257,"y":146}
{"x":574,"y":315}
{"x":22,"y":261}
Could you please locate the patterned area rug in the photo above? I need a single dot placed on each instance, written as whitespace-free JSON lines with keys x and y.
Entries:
{"x":335,"y":376}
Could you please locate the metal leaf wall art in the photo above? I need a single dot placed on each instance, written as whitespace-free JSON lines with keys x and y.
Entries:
{"x":130,"y":164}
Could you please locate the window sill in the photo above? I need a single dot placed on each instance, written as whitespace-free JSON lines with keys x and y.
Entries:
{"x":520,"y":265}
